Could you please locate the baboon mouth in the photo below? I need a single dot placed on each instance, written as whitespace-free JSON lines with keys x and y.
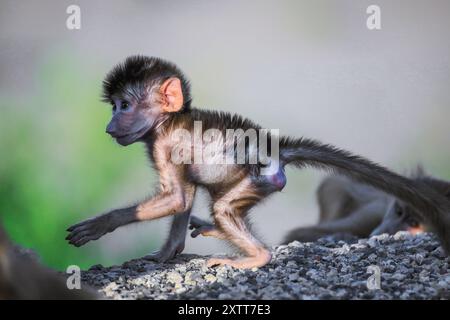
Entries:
{"x":120,"y":136}
{"x":126,"y":139}
{"x":129,"y":138}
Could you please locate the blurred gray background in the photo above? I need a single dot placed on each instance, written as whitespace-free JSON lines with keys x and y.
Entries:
{"x":308,"y":68}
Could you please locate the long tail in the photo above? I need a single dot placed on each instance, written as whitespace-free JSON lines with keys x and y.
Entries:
{"x":433,"y":207}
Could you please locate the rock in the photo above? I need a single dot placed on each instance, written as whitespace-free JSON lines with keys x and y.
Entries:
{"x":372,"y":257}
{"x":110,"y":289}
{"x":419,"y":258}
{"x":342,"y":250}
{"x":372,"y":242}
{"x":398,"y":276}
{"x":210,"y":278}
{"x":191,"y":278}
{"x":96,"y":267}
{"x":175,"y":278}
{"x":296,"y":244}
{"x":293,"y":277}
{"x":411,"y":267}
{"x":291,"y":264}
{"x":401,"y":235}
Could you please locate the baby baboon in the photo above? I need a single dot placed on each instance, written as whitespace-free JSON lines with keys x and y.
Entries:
{"x":235,"y":160}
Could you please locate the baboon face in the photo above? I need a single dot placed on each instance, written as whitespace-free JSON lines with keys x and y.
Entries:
{"x":133,"y":115}
{"x":131,"y":119}
{"x":399,"y":217}
{"x":142,"y":92}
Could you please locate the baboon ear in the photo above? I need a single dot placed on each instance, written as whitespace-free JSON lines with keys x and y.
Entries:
{"x":172,"y":95}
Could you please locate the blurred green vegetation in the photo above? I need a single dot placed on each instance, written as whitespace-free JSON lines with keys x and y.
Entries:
{"x":57,"y":164}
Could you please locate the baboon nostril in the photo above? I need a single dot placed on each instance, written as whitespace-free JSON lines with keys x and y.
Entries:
{"x":111,"y":129}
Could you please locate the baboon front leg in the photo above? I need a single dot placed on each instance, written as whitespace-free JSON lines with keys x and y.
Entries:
{"x":175,"y":197}
{"x":175,"y":242}
{"x":229,"y":213}
{"x":94,"y":228}
{"x":160,"y":206}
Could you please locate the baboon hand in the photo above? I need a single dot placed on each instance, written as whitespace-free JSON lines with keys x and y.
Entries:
{"x":90,"y":229}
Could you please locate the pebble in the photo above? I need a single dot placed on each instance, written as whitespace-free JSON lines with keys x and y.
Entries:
{"x":210,"y":278}
{"x":419,"y":258}
{"x":175,"y":278}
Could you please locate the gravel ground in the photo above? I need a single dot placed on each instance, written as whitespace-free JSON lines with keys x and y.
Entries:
{"x":412,"y":267}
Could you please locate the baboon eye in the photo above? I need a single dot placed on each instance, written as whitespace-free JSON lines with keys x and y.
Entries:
{"x":124,"y":105}
{"x":114,"y":108}
{"x":399,"y":211}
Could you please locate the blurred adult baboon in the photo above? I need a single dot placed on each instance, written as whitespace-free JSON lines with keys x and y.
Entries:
{"x":23,"y":277}
{"x":351,"y":209}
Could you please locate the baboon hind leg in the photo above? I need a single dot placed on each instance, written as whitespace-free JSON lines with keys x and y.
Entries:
{"x":229,"y":216}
